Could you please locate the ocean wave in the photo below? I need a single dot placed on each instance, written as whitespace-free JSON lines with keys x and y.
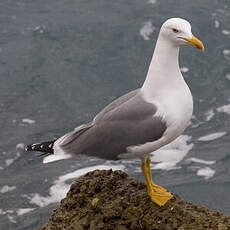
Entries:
{"x":168,"y":157}
{"x":60,"y":187}
{"x":146,"y":30}
{"x":212,"y":136}
{"x":206,"y":172}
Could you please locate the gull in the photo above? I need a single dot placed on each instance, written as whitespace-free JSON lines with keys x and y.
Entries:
{"x":141,"y":121}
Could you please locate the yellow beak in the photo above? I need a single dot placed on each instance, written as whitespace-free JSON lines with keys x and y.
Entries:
{"x":195,"y":42}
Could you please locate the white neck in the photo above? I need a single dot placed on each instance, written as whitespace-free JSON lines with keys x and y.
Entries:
{"x":164,"y":66}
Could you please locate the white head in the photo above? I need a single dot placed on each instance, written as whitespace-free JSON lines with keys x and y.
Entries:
{"x":178,"y":31}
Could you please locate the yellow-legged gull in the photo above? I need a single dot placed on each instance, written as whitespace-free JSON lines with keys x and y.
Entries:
{"x":143,"y":120}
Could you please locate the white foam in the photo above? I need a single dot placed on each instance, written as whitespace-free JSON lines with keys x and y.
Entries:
{"x":7,"y":188}
{"x":59,"y":189}
{"x":209,"y":114}
{"x":194,"y":122}
{"x":11,"y":219}
{"x":216,"y":24}
{"x":184,"y":69}
{"x":227,"y":76}
{"x":170,"y":155}
{"x":226,"y":32}
{"x":206,"y":172}
{"x":197,"y":160}
{"x":146,"y":30}
{"x":28,"y":121}
{"x":226,"y":54}
{"x":5,"y":212}
{"x":9,"y":161}
{"x":40,"y":29}
{"x":23,"y":211}
{"x":20,"y":146}
{"x":224,"y":109}
{"x":152,"y":1}
{"x":212,"y":136}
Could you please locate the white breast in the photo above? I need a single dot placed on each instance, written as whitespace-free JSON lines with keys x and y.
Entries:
{"x":176,"y":107}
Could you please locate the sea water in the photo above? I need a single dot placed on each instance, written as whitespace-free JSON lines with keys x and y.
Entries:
{"x":61,"y":62}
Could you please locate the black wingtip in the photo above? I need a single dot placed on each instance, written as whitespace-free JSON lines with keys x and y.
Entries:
{"x":46,"y":147}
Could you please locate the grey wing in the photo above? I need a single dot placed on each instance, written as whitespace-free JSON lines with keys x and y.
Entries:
{"x":131,"y":123}
{"x":116,"y":103}
{"x":71,"y":136}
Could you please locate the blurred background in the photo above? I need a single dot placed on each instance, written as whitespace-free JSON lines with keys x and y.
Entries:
{"x":62,"y":61}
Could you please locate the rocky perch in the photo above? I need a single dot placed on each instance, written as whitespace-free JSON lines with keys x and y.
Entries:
{"x":109,"y":200}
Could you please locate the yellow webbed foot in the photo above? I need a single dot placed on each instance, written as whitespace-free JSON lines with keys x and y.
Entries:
{"x":157,"y":187}
{"x":160,"y":197}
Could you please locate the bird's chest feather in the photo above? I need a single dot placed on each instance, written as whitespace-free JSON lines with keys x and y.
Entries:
{"x":175,"y":108}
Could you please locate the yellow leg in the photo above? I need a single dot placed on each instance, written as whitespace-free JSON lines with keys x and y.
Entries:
{"x":156,"y":187}
{"x":157,"y":194}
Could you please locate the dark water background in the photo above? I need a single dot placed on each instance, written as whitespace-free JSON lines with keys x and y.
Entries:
{"x":62,"y":61}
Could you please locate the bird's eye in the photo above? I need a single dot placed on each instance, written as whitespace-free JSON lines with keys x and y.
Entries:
{"x":175,"y":30}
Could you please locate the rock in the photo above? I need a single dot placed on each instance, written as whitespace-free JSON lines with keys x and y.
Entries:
{"x":106,"y":200}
